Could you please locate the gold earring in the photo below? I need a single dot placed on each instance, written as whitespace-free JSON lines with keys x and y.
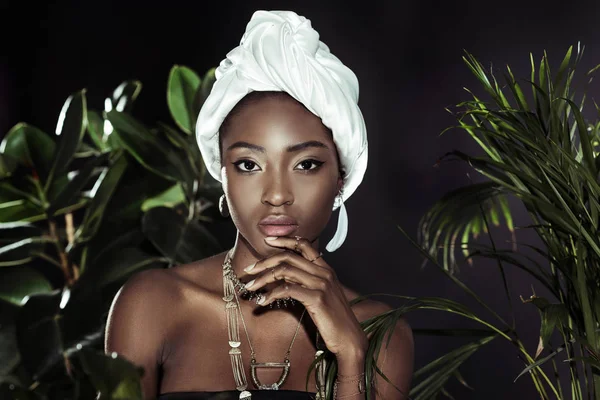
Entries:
{"x":223,"y":209}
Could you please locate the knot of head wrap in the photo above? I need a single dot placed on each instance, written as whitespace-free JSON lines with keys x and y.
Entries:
{"x":280,"y":51}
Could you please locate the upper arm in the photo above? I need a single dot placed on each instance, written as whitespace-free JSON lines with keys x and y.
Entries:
{"x":136,"y":328}
{"x":396,"y":362}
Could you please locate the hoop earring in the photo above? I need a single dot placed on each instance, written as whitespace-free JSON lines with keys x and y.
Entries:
{"x":223,"y":209}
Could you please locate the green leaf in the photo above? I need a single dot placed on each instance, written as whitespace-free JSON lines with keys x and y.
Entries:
{"x":120,"y":264}
{"x":30,"y":147}
{"x":76,"y":184}
{"x":16,"y":205}
{"x":434,"y":376}
{"x":22,"y":251}
{"x":123,"y":97}
{"x":101,"y":195}
{"x":70,"y":129}
{"x":182,"y":87}
{"x":147,"y":148}
{"x":16,"y":283}
{"x":95,"y":129}
{"x":169,"y":198}
{"x":39,"y":337}
{"x":14,"y":391}
{"x":113,"y":376}
{"x":205,"y":88}
{"x":7,"y":165}
{"x":8,"y":337}
{"x":178,"y":239}
{"x":553,"y":316}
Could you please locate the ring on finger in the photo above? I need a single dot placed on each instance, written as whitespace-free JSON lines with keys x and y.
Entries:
{"x":317,"y":257}
{"x":296,"y":244}
{"x":273,"y":273}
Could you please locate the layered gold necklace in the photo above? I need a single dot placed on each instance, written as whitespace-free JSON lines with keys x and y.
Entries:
{"x":232,"y":308}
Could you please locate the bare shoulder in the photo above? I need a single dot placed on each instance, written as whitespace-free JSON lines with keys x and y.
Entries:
{"x":369,"y":308}
{"x":157,"y":292}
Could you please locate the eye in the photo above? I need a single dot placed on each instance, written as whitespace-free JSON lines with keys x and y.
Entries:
{"x":246,"y":166}
{"x":308,"y":165}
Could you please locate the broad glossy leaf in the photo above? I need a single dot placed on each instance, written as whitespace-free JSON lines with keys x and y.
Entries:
{"x":11,"y":232}
{"x":81,"y":322}
{"x":169,"y":198}
{"x":22,"y":251}
{"x":113,"y":376}
{"x":73,"y":189}
{"x":182,"y":87}
{"x":14,"y":207}
{"x":7,"y":165}
{"x":179,"y":240}
{"x":69,"y":130}
{"x":16,"y":283}
{"x":187,"y":144}
{"x":8,"y":338}
{"x":205,"y":88}
{"x":123,"y":97}
{"x":149,"y":150}
{"x":39,"y":337}
{"x":13,"y":391}
{"x":120,"y":265}
{"x":124,"y":211}
{"x":113,"y":244}
{"x":31,"y":147}
{"x":95,"y":129}
{"x":102,"y":193}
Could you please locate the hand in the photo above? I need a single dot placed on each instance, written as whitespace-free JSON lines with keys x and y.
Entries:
{"x":316,"y":286}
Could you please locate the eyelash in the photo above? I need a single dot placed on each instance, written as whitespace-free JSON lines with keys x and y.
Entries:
{"x":317,"y":164}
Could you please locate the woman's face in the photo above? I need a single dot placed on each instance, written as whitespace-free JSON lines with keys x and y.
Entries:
{"x":280,"y":172}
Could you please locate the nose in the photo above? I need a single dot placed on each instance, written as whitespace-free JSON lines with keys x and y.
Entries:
{"x":277,"y":192}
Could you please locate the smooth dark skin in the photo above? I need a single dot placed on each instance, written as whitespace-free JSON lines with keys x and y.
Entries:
{"x":173,"y":322}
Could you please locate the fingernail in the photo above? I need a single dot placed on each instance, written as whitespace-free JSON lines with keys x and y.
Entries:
{"x":271,"y":238}
{"x":247,"y":285}
{"x":249,"y":267}
{"x":261,"y":300}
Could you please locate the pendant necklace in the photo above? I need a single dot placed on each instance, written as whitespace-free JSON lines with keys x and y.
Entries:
{"x":232,"y":307}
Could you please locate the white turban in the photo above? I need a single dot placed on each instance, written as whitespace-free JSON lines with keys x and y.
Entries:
{"x":280,"y":51}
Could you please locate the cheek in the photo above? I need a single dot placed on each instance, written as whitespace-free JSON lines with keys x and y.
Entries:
{"x":315,"y":199}
{"x":241,"y":194}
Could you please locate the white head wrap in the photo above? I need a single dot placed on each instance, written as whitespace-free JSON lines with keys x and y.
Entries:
{"x":280,"y":51}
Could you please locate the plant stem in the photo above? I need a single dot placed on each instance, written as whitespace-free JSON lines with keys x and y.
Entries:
{"x":64,"y":261}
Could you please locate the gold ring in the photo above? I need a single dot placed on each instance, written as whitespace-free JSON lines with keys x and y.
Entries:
{"x":296,"y":245}
{"x":317,"y":257}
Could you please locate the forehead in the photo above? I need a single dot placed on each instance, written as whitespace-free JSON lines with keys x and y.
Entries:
{"x":274,"y":122}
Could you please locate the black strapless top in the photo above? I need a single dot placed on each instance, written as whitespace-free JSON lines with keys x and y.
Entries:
{"x":280,"y":394}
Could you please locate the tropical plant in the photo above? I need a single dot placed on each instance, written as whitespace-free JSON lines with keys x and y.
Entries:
{"x":539,"y":150}
{"x":80,"y":212}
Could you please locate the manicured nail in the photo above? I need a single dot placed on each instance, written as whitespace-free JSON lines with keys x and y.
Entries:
{"x":249,"y":267}
{"x":247,"y":285}
{"x":261,"y":300}
{"x":271,"y":238}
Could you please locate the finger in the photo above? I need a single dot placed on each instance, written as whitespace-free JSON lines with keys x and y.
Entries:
{"x":300,"y":245}
{"x":304,"y":295}
{"x":293,"y":259}
{"x":288,"y":274}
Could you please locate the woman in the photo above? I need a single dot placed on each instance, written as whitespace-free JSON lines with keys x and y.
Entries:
{"x":282,"y":131}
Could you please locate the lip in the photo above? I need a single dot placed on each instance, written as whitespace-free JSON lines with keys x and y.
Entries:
{"x":278,"y":225}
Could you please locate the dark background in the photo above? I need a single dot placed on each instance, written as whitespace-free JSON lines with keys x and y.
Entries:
{"x":407,"y":56}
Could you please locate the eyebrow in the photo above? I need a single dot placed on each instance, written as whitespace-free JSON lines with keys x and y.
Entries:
{"x":289,"y":149}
